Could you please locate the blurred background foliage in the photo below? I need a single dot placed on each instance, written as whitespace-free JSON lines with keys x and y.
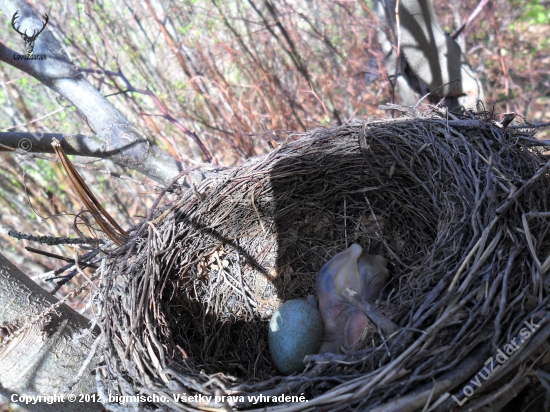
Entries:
{"x":222,"y":69}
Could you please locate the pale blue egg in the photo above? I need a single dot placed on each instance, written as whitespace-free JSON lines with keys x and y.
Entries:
{"x":295,"y":330}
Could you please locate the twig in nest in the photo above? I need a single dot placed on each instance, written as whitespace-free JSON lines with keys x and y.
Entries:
{"x":110,"y":227}
{"x":242,"y":290}
{"x":154,"y":207}
{"x":386,"y":325}
{"x":144,"y":294}
{"x":81,"y":271}
{"x":55,"y":256}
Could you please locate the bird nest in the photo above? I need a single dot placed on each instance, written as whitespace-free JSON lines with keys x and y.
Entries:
{"x":457,"y":203}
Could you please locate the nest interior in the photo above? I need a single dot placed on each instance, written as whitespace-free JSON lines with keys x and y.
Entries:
{"x":458,"y":206}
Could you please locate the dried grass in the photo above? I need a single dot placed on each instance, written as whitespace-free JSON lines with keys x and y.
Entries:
{"x":459,"y":208}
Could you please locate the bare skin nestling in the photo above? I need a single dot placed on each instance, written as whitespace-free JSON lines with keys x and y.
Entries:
{"x":365,"y":274}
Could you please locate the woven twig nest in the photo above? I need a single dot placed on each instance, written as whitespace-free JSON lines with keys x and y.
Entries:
{"x":458,"y":206}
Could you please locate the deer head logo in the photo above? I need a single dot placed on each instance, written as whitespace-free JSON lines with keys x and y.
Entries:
{"x":29,"y":40}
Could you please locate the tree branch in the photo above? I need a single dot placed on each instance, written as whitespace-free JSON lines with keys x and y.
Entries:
{"x":123,"y":143}
{"x":44,"y":344}
{"x":77,"y":144}
{"x":433,"y":61}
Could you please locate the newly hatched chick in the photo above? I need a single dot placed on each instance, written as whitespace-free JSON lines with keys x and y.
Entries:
{"x":365,"y":274}
{"x":374,"y":274}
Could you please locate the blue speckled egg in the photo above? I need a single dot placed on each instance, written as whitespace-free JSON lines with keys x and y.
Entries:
{"x":295,"y":330}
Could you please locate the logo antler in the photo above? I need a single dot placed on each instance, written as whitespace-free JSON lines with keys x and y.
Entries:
{"x":29,"y":40}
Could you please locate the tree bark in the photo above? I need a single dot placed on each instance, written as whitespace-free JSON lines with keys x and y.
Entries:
{"x":431,"y":61}
{"x":44,"y":358}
